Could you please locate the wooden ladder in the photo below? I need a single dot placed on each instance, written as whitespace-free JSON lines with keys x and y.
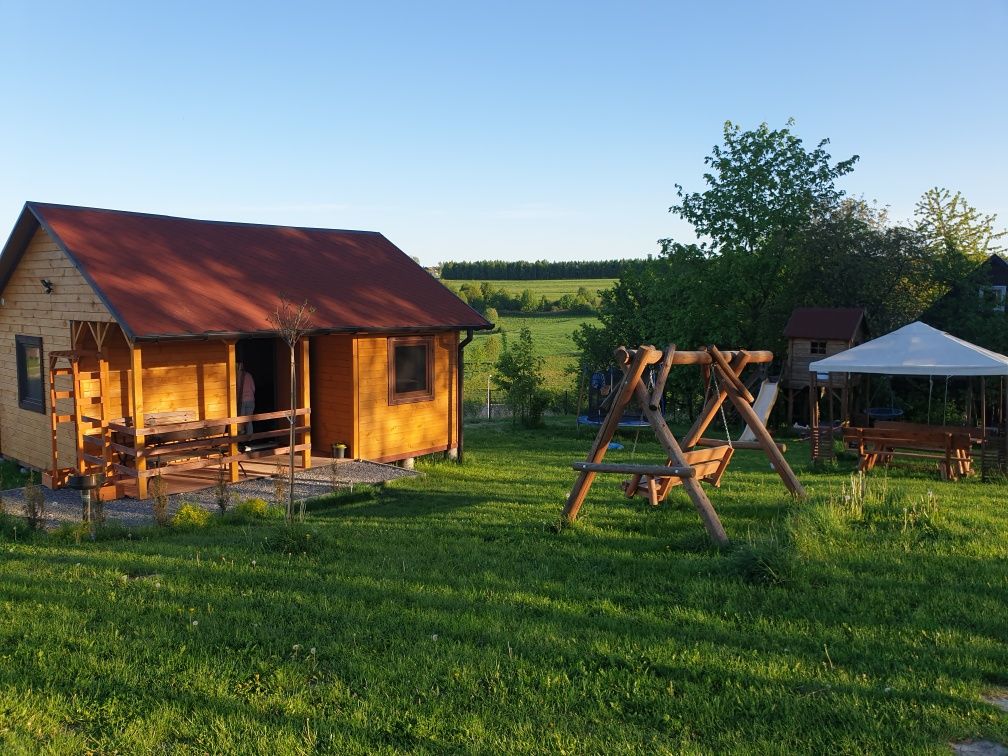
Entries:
{"x":99,"y":437}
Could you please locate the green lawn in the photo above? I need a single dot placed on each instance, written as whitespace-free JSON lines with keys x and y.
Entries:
{"x":551,"y":289}
{"x":447,"y":614}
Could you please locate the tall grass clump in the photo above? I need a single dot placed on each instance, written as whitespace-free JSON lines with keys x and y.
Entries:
{"x":222,"y":489}
{"x":872,"y":507}
{"x":158,"y":490}
{"x":34,"y":504}
{"x":765,"y":559}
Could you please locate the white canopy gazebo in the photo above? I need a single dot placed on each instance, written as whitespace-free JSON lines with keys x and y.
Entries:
{"x":916,"y":349}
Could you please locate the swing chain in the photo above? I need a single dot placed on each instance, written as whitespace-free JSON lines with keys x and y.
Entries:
{"x":724,"y":419}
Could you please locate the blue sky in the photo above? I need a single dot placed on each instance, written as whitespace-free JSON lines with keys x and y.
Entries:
{"x":471,"y":130}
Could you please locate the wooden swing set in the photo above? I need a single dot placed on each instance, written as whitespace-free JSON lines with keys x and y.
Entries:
{"x":705,"y":459}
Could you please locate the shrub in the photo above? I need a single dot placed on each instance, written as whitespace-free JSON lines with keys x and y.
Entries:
{"x":190,"y":516}
{"x":71,"y":532}
{"x":11,"y":526}
{"x":251,"y":510}
{"x":519,"y":375}
{"x":158,"y":490}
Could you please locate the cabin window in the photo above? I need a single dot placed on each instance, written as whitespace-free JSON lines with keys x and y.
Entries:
{"x":29,"y":373}
{"x":411,"y":369}
{"x":818,"y":347}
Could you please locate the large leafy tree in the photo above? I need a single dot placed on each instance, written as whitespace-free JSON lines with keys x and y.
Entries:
{"x":764,"y":191}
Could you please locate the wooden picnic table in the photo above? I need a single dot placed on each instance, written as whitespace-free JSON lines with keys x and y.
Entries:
{"x":950,"y":446}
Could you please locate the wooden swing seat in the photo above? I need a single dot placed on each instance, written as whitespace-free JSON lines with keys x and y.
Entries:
{"x":707,"y":464}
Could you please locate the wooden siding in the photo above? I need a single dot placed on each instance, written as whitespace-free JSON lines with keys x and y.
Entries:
{"x":388,"y":433}
{"x":28,"y":310}
{"x":333,"y":393}
{"x":800,"y":356}
{"x":178,"y":376}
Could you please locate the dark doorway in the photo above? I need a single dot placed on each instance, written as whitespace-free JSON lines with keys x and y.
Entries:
{"x":259,"y":358}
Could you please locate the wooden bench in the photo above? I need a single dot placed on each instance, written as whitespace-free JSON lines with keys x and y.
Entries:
{"x":708,"y":464}
{"x":951,"y":449}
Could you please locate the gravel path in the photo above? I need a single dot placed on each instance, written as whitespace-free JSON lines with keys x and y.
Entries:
{"x":64,"y":505}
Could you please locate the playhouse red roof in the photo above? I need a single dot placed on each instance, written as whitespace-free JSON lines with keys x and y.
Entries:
{"x":166,"y":276}
{"x":841,"y":323}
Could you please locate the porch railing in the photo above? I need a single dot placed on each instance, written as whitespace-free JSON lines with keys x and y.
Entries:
{"x":199,"y":439}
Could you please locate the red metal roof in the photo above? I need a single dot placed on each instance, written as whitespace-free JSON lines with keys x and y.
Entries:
{"x":841,"y":323}
{"x":165,"y":276}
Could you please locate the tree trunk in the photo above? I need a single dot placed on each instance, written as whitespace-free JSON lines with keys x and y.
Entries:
{"x":293,"y":395}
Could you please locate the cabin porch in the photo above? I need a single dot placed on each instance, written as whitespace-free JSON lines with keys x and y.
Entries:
{"x":139,"y":411}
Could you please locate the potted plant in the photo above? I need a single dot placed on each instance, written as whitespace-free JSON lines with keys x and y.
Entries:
{"x":339,"y":451}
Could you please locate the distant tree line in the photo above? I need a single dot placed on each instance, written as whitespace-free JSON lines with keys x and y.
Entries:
{"x":523,"y":270}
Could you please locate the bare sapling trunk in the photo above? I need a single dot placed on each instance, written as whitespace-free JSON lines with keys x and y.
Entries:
{"x":291,"y":323}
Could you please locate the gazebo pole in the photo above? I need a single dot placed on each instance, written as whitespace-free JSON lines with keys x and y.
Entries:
{"x":983,"y":428}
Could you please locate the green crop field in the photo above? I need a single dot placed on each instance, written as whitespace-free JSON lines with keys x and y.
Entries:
{"x":551,"y":289}
{"x":446,"y":613}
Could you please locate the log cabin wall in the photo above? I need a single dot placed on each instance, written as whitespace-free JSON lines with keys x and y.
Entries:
{"x":389,"y":432}
{"x":27,"y":310}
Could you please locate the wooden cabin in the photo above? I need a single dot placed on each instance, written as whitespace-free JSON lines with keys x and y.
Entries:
{"x":974,"y":308}
{"x":814,"y":333}
{"x":121,"y":337}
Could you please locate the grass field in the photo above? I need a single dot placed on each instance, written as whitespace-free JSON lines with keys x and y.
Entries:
{"x":553,"y":336}
{"x":447,"y":614}
{"x":552,"y":333}
{"x":551,"y":289}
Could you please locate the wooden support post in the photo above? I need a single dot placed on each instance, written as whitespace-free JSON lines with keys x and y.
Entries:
{"x":304,"y":400}
{"x":663,"y":373}
{"x":232,"y":405}
{"x":103,"y":414}
{"x":53,"y":420}
{"x":631,"y":378}
{"x":75,"y":395}
{"x":675,"y":454}
{"x":813,"y":417}
{"x":729,"y":373}
{"x":766,"y":441}
{"x":139,"y":441}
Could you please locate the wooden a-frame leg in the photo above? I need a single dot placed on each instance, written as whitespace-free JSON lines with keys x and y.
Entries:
{"x":652,"y":491}
{"x":631,"y":380}
{"x":692,"y":486}
{"x":710,"y":410}
{"x":766,"y":441}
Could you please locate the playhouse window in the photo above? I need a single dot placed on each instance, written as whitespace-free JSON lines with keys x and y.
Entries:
{"x":29,"y":372}
{"x":411,"y":369}
{"x":818,"y":347}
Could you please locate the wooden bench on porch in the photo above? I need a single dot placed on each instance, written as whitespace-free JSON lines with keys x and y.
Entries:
{"x":951,"y":449}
